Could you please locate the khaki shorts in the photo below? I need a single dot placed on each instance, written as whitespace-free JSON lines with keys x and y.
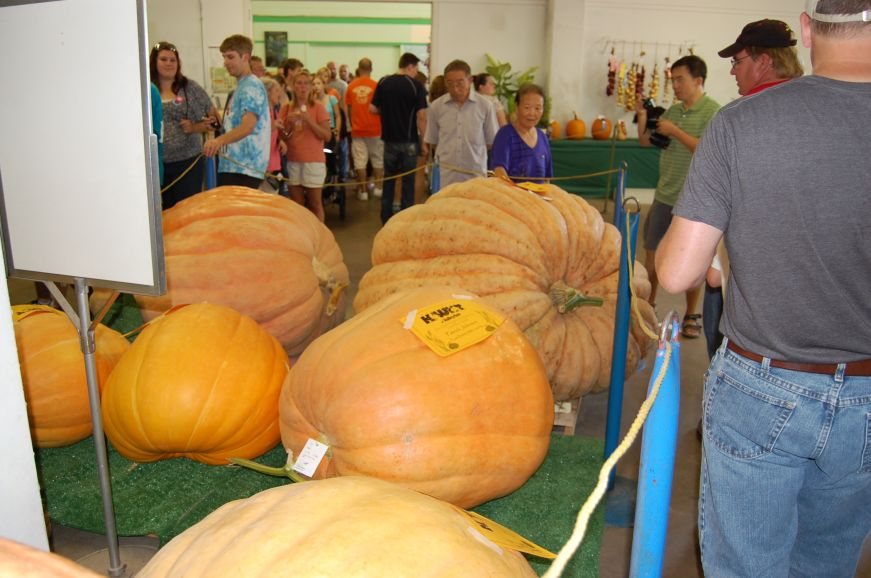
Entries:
{"x":369,"y":149}
{"x":309,"y":175}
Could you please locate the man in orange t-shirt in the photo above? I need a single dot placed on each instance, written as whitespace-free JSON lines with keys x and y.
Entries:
{"x":366,"y":144}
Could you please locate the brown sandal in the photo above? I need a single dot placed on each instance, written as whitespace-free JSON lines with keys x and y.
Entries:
{"x":691,"y":328}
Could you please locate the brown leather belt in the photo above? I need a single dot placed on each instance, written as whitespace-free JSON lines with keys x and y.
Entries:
{"x":855,"y":368}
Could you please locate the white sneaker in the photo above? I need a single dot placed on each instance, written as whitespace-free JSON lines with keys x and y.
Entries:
{"x":378,"y":192}
{"x":362,"y":196}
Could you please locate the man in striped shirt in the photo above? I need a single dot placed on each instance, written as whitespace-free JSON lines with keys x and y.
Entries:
{"x":684,"y":124}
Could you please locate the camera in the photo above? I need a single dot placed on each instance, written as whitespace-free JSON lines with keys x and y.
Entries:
{"x":653,"y":113}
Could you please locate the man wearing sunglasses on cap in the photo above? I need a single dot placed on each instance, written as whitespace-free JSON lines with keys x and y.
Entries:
{"x":784,"y":175}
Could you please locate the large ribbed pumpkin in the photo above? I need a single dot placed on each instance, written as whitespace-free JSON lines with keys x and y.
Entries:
{"x":351,"y":527}
{"x":526,"y":255}
{"x":260,"y":254}
{"x":53,"y":372}
{"x":464,"y":428}
{"x":201,"y":382}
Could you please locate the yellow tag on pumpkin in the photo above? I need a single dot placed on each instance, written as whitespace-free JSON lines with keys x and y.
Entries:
{"x":19,"y":312}
{"x":453,"y":325}
{"x":537,"y":188}
{"x":502,"y":536}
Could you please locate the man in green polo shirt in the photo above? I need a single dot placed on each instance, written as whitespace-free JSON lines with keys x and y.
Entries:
{"x":684,"y":124}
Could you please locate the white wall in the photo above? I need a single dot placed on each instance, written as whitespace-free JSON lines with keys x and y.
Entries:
{"x":21,"y":517}
{"x":709,"y":25}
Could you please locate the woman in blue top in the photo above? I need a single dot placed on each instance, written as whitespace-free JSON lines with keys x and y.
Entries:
{"x":520,"y":150}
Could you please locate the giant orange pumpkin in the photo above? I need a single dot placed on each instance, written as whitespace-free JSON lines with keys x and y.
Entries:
{"x":53,"y":372}
{"x":351,"y":527}
{"x":200,"y":382}
{"x":533,"y":258}
{"x":260,"y":254}
{"x":464,"y":428}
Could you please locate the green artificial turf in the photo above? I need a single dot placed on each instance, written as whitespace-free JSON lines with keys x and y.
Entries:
{"x":165,"y":498}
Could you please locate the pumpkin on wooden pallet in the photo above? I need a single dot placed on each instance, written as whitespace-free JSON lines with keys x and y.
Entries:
{"x":258,"y":253}
{"x":353,"y":527}
{"x":465,"y":428}
{"x":200,"y":382}
{"x":53,"y":372}
{"x":548,"y":262}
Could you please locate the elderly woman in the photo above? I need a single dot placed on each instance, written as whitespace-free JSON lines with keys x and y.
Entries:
{"x":520,"y":149}
{"x":187,"y":114}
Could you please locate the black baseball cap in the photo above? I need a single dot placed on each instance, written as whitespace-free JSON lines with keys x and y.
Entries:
{"x":764,"y":33}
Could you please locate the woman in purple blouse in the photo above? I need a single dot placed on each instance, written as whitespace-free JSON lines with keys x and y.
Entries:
{"x":520,"y":150}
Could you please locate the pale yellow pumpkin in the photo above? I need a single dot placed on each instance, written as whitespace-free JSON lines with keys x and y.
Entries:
{"x":350,"y":527}
{"x":258,"y":253}
{"x":526,"y":255}
{"x":21,"y":561}
{"x":465,"y":428}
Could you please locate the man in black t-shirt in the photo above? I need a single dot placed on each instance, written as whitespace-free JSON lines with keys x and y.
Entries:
{"x":401,"y":102}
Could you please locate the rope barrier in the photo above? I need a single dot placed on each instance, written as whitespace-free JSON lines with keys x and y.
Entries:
{"x":181,"y":176}
{"x":428,"y":165}
{"x":580,"y":529}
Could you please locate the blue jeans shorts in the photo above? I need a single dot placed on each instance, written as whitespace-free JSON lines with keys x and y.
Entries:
{"x":786,"y":470}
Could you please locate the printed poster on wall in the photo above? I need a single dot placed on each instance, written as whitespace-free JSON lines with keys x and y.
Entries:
{"x":276,"y":47}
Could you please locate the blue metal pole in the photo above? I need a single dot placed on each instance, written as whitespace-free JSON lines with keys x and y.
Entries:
{"x":211,"y":173}
{"x":435,"y":178}
{"x":620,"y":194}
{"x":657,"y":463}
{"x":621,"y":339}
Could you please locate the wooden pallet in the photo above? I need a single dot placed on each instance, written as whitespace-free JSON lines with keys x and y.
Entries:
{"x":565,"y":416}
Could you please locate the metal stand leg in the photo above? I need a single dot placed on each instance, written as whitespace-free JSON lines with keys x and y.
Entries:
{"x":86,"y":338}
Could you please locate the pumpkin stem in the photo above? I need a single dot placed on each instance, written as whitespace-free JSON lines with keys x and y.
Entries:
{"x":330,"y":283}
{"x":567,"y":299}
{"x":283,"y":472}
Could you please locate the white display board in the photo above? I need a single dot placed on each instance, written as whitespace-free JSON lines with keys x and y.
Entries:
{"x":79,"y":192}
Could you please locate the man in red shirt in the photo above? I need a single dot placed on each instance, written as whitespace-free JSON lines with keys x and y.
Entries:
{"x":763,"y":55}
{"x":366,"y":144}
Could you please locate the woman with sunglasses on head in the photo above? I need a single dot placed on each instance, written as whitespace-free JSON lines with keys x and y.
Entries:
{"x":187,"y":114}
{"x":305,"y":126}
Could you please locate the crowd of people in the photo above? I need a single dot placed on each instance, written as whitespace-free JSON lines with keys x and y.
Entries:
{"x":298,"y":130}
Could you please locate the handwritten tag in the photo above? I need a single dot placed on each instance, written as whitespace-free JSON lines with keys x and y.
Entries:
{"x":310,"y":457}
{"x":502,"y":536}
{"x":451,"y":326}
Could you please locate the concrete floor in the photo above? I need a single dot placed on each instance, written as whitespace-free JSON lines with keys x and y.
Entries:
{"x":355,"y":235}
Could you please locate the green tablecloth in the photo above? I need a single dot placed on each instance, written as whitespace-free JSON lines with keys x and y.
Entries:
{"x":165,"y":498}
{"x":585,"y":156}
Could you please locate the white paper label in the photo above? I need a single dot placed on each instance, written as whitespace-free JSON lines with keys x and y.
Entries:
{"x":310,"y":457}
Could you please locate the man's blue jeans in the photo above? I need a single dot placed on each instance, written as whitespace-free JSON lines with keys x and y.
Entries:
{"x":399,"y":157}
{"x":786,"y":470}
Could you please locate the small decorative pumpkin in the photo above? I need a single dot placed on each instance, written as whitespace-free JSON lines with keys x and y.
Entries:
{"x":550,"y":265}
{"x":53,"y":372}
{"x":554,"y":130}
{"x":601,"y":128}
{"x":353,"y":527}
{"x":200,"y":382}
{"x":260,"y":254}
{"x":465,"y":428}
{"x":575,"y":128}
{"x":20,"y":561}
